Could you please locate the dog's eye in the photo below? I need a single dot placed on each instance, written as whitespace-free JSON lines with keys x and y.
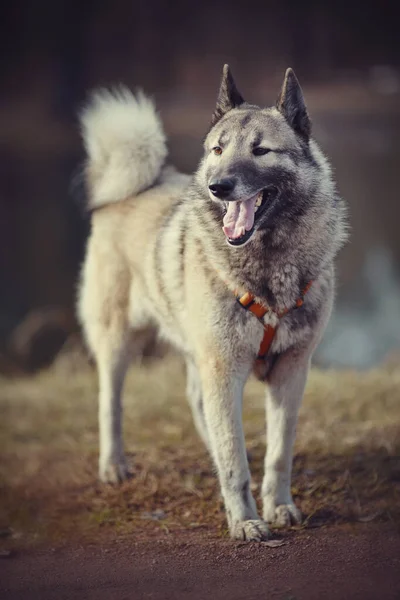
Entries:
{"x":217,"y":150}
{"x":260,"y":151}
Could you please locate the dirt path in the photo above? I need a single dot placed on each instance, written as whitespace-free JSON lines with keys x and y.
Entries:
{"x":329,"y":564}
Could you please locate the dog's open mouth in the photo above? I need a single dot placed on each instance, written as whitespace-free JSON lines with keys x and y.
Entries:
{"x":241,"y":217}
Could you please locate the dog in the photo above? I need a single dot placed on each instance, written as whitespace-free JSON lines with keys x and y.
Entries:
{"x":234,"y":266}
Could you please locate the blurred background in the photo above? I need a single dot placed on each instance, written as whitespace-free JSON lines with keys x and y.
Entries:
{"x":346,"y":55}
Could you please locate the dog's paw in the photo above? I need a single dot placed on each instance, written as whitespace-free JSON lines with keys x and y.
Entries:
{"x":113,"y":471}
{"x":283,"y":515}
{"x":254,"y":530}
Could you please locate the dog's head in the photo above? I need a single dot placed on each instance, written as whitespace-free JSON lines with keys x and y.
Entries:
{"x":258,"y":162}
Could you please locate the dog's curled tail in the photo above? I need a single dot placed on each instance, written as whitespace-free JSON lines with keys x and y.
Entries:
{"x":125,"y":145}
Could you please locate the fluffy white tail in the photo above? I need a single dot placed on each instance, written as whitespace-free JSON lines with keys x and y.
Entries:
{"x":125,"y":143}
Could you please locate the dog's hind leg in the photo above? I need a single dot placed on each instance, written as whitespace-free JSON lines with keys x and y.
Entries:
{"x":194,"y":394}
{"x":112,"y":359}
{"x":287,"y":382}
{"x":103,"y":311}
{"x":115,"y":348}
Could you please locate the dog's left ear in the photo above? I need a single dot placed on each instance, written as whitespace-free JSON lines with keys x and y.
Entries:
{"x":229,"y":97}
{"x":291,"y":104}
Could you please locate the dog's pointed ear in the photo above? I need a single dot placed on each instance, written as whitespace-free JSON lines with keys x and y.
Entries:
{"x":229,"y":97}
{"x":291,"y":104}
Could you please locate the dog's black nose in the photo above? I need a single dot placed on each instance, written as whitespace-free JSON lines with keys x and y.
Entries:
{"x":221,"y":187}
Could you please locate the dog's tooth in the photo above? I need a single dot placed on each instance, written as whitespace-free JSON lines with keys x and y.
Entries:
{"x":259,"y":199}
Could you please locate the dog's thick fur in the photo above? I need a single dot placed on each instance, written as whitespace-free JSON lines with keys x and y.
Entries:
{"x":157,"y":257}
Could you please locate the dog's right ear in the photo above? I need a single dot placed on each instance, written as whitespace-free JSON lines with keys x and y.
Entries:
{"x":229,"y":97}
{"x":291,"y":104}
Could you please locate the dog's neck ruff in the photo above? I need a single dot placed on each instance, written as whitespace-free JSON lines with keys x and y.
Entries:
{"x":247,"y":302}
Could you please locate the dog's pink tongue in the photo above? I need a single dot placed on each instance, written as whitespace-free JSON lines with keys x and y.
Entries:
{"x":239,"y":218}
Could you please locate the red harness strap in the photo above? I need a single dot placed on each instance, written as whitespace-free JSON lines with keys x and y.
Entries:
{"x":247,"y":301}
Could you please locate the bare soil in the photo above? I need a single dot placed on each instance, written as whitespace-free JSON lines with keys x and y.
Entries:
{"x":360,"y":563}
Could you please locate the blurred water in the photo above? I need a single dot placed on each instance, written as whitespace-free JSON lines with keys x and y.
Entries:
{"x":365,"y":326}
{"x":365,"y":151}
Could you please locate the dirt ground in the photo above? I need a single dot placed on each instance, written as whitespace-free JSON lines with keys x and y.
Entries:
{"x":361,"y":563}
{"x":162,"y":534}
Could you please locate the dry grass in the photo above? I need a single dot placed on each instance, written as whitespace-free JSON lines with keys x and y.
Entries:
{"x":346,"y":466}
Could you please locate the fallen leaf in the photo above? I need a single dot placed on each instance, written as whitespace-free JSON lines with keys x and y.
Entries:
{"x":156,"y":515}
{"x":274,"y":543}
{"x":369,"y":518}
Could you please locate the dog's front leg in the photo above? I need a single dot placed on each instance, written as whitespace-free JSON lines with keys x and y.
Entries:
{"x":286,"y":387}
{"x":223,"y":389}
{"x":195,"y":396}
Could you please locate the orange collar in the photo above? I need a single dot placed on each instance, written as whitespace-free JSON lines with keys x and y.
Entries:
{"x":259,"y":310}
